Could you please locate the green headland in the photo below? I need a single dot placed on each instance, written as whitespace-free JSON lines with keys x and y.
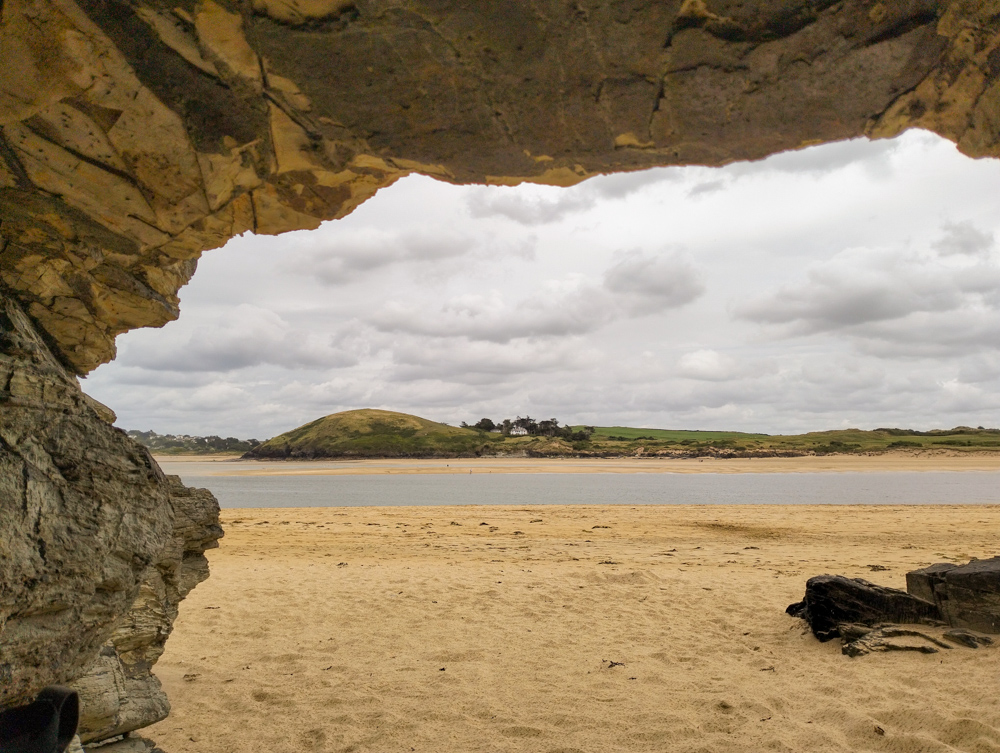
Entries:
{"x":386,"y":434}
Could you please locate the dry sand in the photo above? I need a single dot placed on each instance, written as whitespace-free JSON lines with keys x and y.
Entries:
{"x":421,"y":629}
{"x":934,"y":460}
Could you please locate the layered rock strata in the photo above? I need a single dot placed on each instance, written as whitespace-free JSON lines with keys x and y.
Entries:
{"x":967,"y":596}
{"x":832,"y":601}
{"x":119,"y":693}
{"x":84,"y":512}
{"x":135,"y":134}
{"x":963,"y":597}
{"x":97,"y":546}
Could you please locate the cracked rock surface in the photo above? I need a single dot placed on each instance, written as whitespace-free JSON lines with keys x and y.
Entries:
{"x":84,"y":512}
{"x":97,"y":546}
{"x":136,"y":134}
{"x":118,"y":692}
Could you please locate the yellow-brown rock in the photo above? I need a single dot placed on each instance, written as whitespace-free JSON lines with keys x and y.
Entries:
{"x":135,"y":136}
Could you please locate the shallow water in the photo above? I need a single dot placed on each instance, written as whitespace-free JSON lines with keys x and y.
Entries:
{"x":385,"y":490}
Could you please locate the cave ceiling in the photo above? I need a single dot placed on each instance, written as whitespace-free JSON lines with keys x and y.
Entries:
{"x":136,"y":135}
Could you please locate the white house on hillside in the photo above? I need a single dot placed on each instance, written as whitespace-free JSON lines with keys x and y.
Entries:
{"x":518,"y":431}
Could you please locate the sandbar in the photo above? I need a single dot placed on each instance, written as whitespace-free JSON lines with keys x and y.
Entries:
{"x":935,"y":460}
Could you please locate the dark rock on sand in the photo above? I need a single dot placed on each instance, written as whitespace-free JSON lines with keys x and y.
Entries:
{"x":968,"y":638}
{"x":963,"y":597}
{"x":832,"y":600}
{"x":860,"y":640}
{"x":968,"y":596}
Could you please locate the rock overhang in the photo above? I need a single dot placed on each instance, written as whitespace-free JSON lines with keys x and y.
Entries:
{"x":136,"y":135}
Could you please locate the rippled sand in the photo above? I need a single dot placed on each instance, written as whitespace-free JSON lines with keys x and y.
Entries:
{"x":564,"y":629}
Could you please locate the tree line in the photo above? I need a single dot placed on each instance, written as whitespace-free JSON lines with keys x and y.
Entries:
{"x":546,"y":428}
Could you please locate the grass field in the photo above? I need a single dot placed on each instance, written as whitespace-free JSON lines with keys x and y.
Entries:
{"x":819,"y":442}
{"x":669,"y":435}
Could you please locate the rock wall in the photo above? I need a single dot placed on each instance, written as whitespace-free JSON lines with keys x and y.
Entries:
{"x":136,"y":134}
{"x":118,"y":692}
{"x":84,"y":512}
{"x":97,"y":546}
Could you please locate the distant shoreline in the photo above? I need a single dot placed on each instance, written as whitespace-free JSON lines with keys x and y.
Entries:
{"x":936,"y":460}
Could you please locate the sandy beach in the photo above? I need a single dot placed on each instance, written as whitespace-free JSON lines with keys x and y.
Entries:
{"x":559,"y":629}
{"x":937,"y":460}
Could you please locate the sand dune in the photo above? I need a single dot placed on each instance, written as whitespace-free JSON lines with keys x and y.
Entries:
{"x":563,"y":629}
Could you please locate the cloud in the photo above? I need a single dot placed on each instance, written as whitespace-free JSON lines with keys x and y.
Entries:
{"x":709,"y":186}
{"x":708,"y":365}
{"x":539,"y":205}
{"x":824,"y":289}
{"x":621,"y":185}
{"x":527,"y":210}
{"x":962,"y":332}
{"x":484,"y":362}
{"x":635,"y":285}
{"x":874,"y":157}
{"x":963,"y":238}
{"x":241,"y":338}
{"x":647,"y":284}
{"x":861,"y":290}
{"x":368,"y":250}
{"x":548,"y":313}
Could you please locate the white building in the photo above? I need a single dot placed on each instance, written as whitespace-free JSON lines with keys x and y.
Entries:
{"x":518,"y":431}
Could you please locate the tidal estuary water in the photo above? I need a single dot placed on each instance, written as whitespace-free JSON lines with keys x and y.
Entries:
{"x":398,"y":489}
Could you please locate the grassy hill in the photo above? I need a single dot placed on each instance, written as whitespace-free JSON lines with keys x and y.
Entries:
{"x":385,"y":434}
{"x":372,"y":433}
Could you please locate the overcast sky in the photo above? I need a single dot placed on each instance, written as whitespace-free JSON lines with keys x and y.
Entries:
{"x":852,"y":284}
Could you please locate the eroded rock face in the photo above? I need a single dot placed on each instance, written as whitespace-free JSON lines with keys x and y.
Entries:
{"x":118,"y":693}
{"x":832,"y":601}
{"x":97,"y":546}
{"x":135,"y":135}
{"x":968,"y":596}
{"x":965,"y":598}
{"x":84,"y":511}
